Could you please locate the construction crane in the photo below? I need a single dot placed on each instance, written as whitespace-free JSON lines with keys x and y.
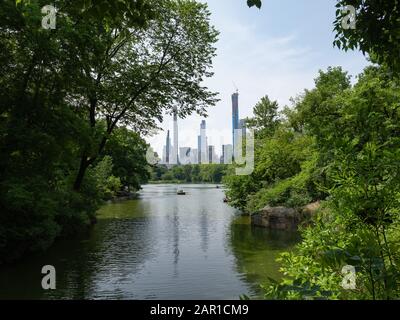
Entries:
{"x":236,"y":88}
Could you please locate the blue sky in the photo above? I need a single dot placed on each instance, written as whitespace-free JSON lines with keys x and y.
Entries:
{"x":277,"y":50}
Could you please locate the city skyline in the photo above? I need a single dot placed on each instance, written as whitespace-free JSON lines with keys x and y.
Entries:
{"x":260,"y":55}
{"x":205,"y":152}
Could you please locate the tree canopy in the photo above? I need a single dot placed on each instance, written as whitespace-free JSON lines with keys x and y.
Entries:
{"x":339,"y":145}
{"x":76,"y":100}
{"x":377,"y":30}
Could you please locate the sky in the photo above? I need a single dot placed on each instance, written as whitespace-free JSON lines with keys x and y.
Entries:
{"x":276,"y":51}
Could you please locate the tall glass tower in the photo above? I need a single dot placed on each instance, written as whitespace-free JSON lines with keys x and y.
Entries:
{"x":199,"y":149}
{"x":203,"y":150}
{"x":235,"y":117}
{"x":168,"y":149}
{"x":175,"y":159}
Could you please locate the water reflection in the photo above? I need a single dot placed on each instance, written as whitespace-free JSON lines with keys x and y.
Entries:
{"x":256,"y":249}
{"x":159,"y":246}
{"x":203,"y":230}
{"x":175,"y":233}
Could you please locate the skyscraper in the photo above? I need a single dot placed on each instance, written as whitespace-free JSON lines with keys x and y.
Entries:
{"x":242,"y":126}
{"x":213,"y":156}
{"x":199,"y":149}
{"x":227,"y":153}
{"x":175,"y":158}
{"x":167,"y":149}
{"x":185,"y":155}
{"x":203,"y":143}
{"x":211,"y":152}
{"x":235,"y":117}
{"x":194,"y":157}
{"x":164,"y":155}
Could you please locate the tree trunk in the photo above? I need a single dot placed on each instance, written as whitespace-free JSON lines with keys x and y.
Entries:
{"x":85,"y":163}
{"x":81,"y":173}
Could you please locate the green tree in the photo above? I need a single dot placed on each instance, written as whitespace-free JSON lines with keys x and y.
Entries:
{"x":376,"y":31}
{"x":106,"y":184}
{"x":252,"y":3}
{"x":187,"y":169}
{"x":65,"y":91}
{"x":266,"y":117}
{"x":39,"y":137}
{"x":168,"y":176}
{"x":128,"y":152}
{"x":137,"y":75}
{"x":360,"y":224}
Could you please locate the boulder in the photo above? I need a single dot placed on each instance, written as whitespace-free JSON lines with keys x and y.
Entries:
{"x":279,"y":218}
{"x":282,"y":218}
{"x":309,"y":210}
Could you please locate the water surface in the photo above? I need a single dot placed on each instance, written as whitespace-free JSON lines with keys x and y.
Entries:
{"x":159,"y":246}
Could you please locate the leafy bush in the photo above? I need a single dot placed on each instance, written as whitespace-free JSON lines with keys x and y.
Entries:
{"x":292,"y":192}
{"x":336,"y":239}
{"x":361,"y":228}
{"x":286,"y":173}
{"x":106,"y":184}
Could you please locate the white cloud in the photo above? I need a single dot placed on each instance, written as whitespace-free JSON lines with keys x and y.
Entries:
{"x":258,"y":64}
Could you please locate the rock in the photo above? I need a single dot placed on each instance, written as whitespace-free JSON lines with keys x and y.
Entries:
{"x":124,"y":195}
{"x":282,"y":218}
{"x":279,"y":218}
{"x":309,"y":210}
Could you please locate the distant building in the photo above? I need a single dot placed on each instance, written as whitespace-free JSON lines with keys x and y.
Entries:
{"x":185,"y":154}
{"x":203,"y":144}
{"x":227,"y":153}
{"x":198,"y":149}
{"x":235,"y":117}
{"x":212,"y":156}
{"x":242,"y":125}
{"x":175,"y":159}
{"x":167,"y":149}
{"x":164,"y":155}
{"x":204,"y":154}
{"x":194,"y":156}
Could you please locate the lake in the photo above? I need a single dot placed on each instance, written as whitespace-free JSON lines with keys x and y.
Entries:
{"x":158,"y":246}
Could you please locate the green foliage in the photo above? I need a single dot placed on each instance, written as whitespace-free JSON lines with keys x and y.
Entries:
{"x":314,"y":269}
{"x":112,"y":13}
{"x":191,"y":173}
{"x":287,"y":169}
{"x":138,"y":75}
{"x":266,"y":118}
{"x":339,"y":143}
{"x":106,"y":184}
{"x":256,"y":3}
{"x":67,"y":94}
{"x":376,"y":31}
{"x":292,"y":192}
{"x":212,"y":173}
{"x":239,"y":188}
{"x":361,"y":227}
{"x":128,"y":152}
